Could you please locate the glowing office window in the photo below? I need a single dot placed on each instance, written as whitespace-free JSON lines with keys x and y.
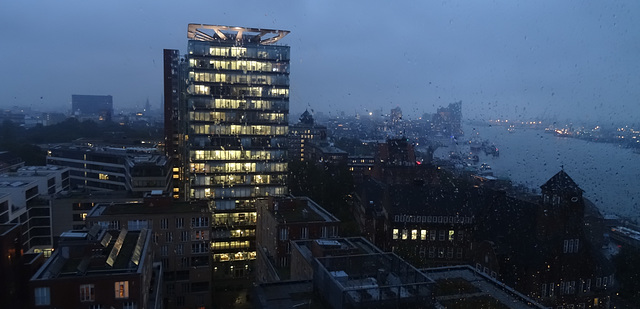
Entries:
{"x":414,"y":234}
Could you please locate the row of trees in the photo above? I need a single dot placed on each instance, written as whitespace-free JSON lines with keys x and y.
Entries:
{"x":23,"y":142}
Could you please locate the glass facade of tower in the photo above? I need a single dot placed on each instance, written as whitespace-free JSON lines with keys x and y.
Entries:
{"x":237,"y":121}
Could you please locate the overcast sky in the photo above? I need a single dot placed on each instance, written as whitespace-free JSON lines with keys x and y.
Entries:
{"x":519,"y":59}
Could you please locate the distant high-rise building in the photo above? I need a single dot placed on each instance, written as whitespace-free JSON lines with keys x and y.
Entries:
{"x":99,"y":107}
{"x":227,"y":131}
{"x":303,"y":135}
{"x":448,"y":120}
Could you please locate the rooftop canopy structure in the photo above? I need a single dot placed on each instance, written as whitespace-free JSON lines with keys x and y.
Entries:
{"x":223,"y":33}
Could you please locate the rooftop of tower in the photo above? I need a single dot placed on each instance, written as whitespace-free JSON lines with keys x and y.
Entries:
{"x":224,"y":33}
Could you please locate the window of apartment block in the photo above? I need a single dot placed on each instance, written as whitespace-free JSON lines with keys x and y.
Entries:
{"x":414,"y":234}
{"x":200,"y":235}
{"x":164,"y":250}
{"x":179,"y":223}
{"x":164,"y":224}
{"x":451,"y":235}
{"x":284,"y":234}
{"x":180,"y":249}
{"x":129,"y":305}
{"x":87,"y":292}
{"x":432,"y":235}
{"x":324,"y":231}
{"x":304,"y":233}
{"x":42,"y":296}
{"x":168,"y":236}
{"x":396,"y":234}
{"x":200,"y":222}
{"x":405,"y":234}
{"x":199,"y":248}
{"x":184,"y":262}
{"x":184,"y":235}
{"x":122,"y":289}
{"x":441,"y":235}
{"x":423,"y":234}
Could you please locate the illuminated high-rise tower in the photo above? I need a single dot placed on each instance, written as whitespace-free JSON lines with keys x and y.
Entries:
{"x":226,"y":123}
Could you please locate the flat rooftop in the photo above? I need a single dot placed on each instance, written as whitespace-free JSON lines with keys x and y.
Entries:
{"x":109,"y":252}
{"x":311,"y":248}
{"x":287,"y":294}
{"x":144,"y":208}
{"x":463,"y":287}
{"x":299,"y":209}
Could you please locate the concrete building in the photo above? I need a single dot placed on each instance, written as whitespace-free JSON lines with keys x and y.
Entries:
{"x":16,"y":267}
{"x":282,"y":220}
{"x":99,"y":269}
{"x":69,"y":209}
{"x":103,"y":168}
{"x":25,"y":200}
{"x":304,"y":252}
{"x":93,"y":107}
{"x":227,"y":132}
{"x":303,"y":135}
{"x":179,"y":239}
{"x":447,"y":122}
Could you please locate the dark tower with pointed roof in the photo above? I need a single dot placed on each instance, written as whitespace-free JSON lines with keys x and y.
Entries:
{"x":561,"y":214}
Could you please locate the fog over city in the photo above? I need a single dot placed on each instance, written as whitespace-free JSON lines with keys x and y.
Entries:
{"x":572,"y":60}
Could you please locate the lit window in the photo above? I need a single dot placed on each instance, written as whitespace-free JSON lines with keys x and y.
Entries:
{"x":103,"y":176}
{"x":122,"y":289}
{"x":414,"y":234}
{"x":423,"y":235}
{"x":451,"y":233}
{"x":87,"y":292}
{"x":395,"y":233}
{"x":42,"y":296}
{"x":404,"y":234}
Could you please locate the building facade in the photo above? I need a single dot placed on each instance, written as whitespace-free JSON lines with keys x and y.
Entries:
{"x":99,"y":269}
{"x":179,"y":239}
{"x":303,"y":135}
{"x":282,"y":220}
{"x":227,"y":131}
{"x":97,"y":107}
{"x":101,"y":168}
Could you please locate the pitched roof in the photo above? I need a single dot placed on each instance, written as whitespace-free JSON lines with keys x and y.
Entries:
{"x":560,"y":182}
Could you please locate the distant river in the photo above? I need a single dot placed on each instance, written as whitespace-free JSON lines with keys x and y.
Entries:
{"x":609,"y":174}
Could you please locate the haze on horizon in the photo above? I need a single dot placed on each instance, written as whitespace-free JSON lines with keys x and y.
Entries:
{"x":503,"y":59}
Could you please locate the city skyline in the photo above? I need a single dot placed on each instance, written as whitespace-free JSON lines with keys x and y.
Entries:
{"x":569,"y":60}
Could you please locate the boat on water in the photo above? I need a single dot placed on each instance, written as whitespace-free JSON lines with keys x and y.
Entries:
{"x":491,"y":150}
{"x":511,"y":129}
{"x":485,"y":170}
{"x":475,"y":143}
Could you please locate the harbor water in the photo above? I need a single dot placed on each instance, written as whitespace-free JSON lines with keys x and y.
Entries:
{"x":608,"y":173}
